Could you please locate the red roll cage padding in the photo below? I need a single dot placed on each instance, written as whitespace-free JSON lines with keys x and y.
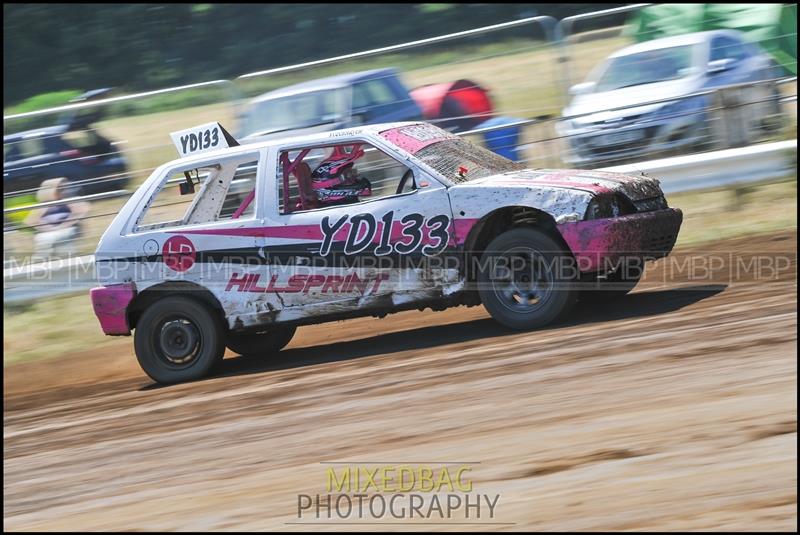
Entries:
{"x":355,"y":151}
{"x":288,"y":167}
{"x":245,"y":203}
{"x":306,"y":196}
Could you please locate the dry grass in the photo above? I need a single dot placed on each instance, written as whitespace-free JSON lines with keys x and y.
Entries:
{"x":736,"y":211}
{"x":521,"y":76}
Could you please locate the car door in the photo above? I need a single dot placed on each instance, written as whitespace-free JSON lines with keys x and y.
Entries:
{"x":373,"y":253}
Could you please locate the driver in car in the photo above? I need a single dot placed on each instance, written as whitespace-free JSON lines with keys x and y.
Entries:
{"x":335,"y":181}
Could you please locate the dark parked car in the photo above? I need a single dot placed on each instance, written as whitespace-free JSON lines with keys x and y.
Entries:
{"x":73,"y":149}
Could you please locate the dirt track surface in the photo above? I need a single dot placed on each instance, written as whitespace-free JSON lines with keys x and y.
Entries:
{"x":673,"y":408}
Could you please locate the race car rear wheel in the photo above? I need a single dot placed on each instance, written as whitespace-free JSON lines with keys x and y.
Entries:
{"x":526,"y":279}
{"x":261,"y":343}
{"x":178,"y":339}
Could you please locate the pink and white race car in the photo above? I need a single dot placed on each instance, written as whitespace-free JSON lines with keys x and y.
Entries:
{"x":236,"y":245}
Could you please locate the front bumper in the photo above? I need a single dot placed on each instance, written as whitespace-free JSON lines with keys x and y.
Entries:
{"x":606,"y":146}
{"x":111,"y":307}
{"x":599,"y":244}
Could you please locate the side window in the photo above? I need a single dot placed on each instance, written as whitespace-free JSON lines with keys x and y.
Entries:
{"x":336,"y":175}
{"x":218,"y":192}
{"x":381,"y":93}
{"x":243,"y":183}
{"x":27,"y":148}
{"x":296,"y":111}
{"x":79,"y":139}
{"x":717,"y":49}
{"x":361,"y":96}
{"x":723,"y":47}
{"x":372,"y":93}
{"x":11,"y":151}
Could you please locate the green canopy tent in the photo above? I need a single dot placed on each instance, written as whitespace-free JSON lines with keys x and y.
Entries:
{"x":773,"y":26}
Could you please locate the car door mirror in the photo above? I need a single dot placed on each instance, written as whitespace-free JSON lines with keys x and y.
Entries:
{"x":187,"y":187}
{"x":720,"y":65}
{"x":581,"y":89}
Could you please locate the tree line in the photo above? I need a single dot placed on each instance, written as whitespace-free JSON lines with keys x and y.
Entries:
{"x":54,"y":47}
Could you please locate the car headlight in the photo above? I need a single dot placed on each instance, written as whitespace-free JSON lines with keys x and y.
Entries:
{"x":607,"y":205}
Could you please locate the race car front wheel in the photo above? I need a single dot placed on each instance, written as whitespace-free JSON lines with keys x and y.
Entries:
{"x":178,"y":339}
{"x":261,"y":343}
{"x":526,"y":280}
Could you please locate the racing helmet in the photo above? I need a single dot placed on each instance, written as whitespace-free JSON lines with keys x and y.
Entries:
{"x":336,"y":180}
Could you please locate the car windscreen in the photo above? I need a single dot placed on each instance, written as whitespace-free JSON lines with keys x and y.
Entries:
{"x":295,"y":111}
{"x":459,"y":160}
{"x":647,"y":67}
{"x":24,"y":148}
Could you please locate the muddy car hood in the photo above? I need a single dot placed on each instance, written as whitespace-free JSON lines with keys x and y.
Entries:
{"x":636,"y":188}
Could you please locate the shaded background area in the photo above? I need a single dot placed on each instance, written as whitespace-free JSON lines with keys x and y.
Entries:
{"x":145,"y":46}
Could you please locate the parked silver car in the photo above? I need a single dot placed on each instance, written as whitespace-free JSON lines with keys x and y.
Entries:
{"x":672,"y":69}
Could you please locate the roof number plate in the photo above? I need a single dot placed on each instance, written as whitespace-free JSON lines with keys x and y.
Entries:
{"x":198,"y":139}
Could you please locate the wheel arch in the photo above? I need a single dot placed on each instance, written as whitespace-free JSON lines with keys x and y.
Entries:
{"x":500,"y":220}
{"x":170,"y":288}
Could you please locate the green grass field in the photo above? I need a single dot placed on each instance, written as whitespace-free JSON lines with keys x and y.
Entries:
{"x":58,"y":326}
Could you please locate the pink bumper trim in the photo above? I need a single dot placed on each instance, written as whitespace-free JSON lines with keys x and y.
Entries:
{"x":110,"y":306}
{"x":599,"y":243}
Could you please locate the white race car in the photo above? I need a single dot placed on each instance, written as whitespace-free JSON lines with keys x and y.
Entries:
{"x":236,"y":245}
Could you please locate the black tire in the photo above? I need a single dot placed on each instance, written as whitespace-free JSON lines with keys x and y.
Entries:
{"x":178,"y":339}
{"x":613,"y":285}
{"x":526,"y":279}
{"x":261,"y":343}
